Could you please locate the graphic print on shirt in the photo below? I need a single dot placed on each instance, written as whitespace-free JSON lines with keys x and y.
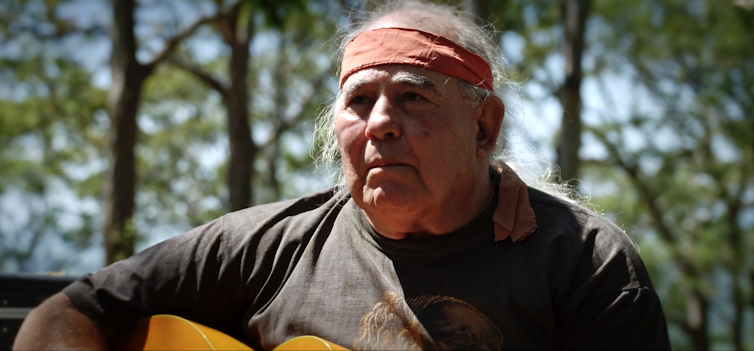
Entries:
{"x":426,"y":322}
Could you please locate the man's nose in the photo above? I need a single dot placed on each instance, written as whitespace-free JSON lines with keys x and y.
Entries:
{"x":383,"y":122}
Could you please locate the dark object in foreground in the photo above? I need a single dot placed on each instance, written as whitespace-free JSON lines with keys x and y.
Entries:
{"x":19,"y":294}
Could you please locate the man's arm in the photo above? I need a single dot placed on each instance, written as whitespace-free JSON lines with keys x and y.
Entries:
{"x":627,"y":320}
{"x":612,"y":303}
{"x":57,"y":325}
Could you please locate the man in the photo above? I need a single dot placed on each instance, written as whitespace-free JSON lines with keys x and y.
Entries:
{"x":432,"y":244}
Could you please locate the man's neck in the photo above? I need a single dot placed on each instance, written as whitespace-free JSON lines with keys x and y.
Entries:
{"x":437,"y":220}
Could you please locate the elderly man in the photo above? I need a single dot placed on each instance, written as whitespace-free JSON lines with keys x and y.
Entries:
{"x":432,"y":244}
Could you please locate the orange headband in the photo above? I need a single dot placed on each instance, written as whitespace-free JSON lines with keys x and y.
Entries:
{"x":414,"y":47}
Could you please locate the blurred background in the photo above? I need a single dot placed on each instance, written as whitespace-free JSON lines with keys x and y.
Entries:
{"x":125,"y":123}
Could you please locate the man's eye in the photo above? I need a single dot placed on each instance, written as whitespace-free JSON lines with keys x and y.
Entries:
{"x":412,"y":97}
{"x":361,"y":99}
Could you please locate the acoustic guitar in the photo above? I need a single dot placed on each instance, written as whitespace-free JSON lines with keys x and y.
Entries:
{"x":167,"y":332}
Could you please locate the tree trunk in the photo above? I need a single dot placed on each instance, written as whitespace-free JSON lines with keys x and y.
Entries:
{"x":738,"y":313}
{"x":479,"y":8}
{"x":697,"y":319}
{"x":237,"y":32}
{"x":122,"y":102}
{"x":574,"y":22}
{"x":737,"y":263}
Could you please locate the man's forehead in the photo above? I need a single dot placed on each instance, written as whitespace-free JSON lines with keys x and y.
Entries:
{"x":397,"y":74}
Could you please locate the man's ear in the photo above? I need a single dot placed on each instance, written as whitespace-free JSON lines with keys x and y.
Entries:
{"x":489,"y":123}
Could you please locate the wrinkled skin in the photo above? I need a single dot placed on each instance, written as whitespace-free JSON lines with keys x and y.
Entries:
{"x":415,"y":153}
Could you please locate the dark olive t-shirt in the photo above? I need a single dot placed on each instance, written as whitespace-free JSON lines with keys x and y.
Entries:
{"x":314,"y":266}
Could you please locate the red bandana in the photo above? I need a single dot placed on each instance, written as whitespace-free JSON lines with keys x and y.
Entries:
{"x":414,"y":47}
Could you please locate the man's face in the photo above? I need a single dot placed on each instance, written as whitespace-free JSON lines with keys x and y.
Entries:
{"x":408,"y":141}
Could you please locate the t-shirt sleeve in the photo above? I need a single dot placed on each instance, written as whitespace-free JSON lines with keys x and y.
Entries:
{"x":611,"y":302}
{"x":628,"y":320}
{"x":198,"y":275}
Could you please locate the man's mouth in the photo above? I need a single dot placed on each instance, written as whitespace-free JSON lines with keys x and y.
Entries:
{"x":384,"y":164}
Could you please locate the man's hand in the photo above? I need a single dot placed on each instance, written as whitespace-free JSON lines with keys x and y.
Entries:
{"x":57,"y":325}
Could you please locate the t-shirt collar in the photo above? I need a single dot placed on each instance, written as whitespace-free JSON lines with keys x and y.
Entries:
{"x":513,"y":216}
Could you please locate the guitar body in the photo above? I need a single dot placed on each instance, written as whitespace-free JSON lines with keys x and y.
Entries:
{"x":167,"y":332}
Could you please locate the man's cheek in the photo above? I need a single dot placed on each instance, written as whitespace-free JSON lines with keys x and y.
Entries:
{"x":347,"y":134}
{"x":351,"y":165}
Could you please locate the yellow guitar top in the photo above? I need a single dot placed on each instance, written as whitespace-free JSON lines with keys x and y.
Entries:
{"x":167,"y":332}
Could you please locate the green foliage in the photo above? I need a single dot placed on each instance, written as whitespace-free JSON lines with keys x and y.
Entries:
{"x":671,"y":113}
{"x":277,"y":14}
{"x":294,"y":78}
{"x":182,"y":126}
{"x":53,"y":127}
{"x":689,"y":184}
{"x":49,"y":140}
{"x":182,"y":149}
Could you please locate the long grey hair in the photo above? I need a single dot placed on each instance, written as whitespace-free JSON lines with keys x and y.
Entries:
{"x":435,"y":18}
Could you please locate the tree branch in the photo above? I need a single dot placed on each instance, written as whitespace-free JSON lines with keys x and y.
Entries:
{"x":633,"y":172}
{"x":60,"y":32}
{"x":595,"y":162}
{"x":751,"y":283}
{"x":199,"y":74}
{"x":174,"y":41}
{"x":285,"y":125}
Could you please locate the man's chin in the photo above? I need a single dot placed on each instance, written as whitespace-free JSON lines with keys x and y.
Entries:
{"x":389,"y":200}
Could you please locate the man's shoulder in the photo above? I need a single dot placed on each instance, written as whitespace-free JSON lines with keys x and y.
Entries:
{"x":575,"y":226}
{"x":551,"y":210}
{"x":309,"y":207}
{"x":576,"y":234}
{"x":543,"y":200}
